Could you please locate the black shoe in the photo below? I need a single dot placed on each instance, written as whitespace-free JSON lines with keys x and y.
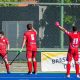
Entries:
{"x":8,"y":72}
{"x":35,"y":73}
{"x":29,"y":73}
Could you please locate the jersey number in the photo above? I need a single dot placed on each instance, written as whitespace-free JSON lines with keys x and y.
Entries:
{"x":32,"y":36}
{"x":75,"y":41}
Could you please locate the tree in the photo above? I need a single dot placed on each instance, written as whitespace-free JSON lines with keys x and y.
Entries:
{"x":7,"y":5}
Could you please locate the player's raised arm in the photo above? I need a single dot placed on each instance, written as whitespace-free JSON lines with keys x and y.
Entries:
{"x":34,"y":29}
{"x":60,"y":27}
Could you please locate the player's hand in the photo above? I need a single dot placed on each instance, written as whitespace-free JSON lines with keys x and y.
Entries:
{"x":57,"y":24}
{"x":7,"y":50}
{"x":20,"y":51}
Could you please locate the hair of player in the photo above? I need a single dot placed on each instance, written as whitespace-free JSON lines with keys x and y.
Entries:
{"x":29,"y":26}
{"x":74,"y":28}
{"x":1,"y":32}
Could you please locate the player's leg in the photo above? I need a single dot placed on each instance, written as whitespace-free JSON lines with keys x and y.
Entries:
{"x":68,"y":68}
{"x":34,"y":61}
{"x":77,"y":68}
{"x":76,"y":63}
{"x":5,"y":58}
{"x":2,"y":58}
{"x":69,"y":58}
{"x":29,"y":61}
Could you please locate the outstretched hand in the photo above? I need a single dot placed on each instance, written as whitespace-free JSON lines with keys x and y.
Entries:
{"x":20,"y":51}
{"x":57,"y":24}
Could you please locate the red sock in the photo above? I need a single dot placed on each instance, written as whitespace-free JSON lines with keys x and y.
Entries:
{"x":7,"y":67}
{"x":30,"y":66}
{"x":77,"y":68}
{"x":68,"y":69}
{"x":35,"y":66}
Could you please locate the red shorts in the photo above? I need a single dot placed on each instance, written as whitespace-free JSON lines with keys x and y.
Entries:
{"x":31,"y":54}
{"x":3,"y":55}
{"x":72,"y":53}
{"x":31,"y":48}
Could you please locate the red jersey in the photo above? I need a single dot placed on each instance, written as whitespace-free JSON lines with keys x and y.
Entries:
{"x":30,"y":37}
{"x":79,"y":36}
{"x":74,"y":39}
{"x":3,"y":44}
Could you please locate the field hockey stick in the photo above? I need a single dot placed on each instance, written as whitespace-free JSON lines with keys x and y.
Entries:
{"x":15,"y":57}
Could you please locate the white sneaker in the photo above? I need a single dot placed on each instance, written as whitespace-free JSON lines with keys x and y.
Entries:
{"x":78,"y":76}
{"x":68,"y":76}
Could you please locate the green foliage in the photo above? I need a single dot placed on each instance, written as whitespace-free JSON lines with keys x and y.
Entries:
{"x":68,"y":1}
{"x":50,"y":1}
{"x":7,"y":5}
{"x":9,"y":0}
{"x":65,"y":1}
{"x":68,"y":19}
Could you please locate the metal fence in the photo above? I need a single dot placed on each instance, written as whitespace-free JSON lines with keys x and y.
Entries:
{"x":43,"y":17}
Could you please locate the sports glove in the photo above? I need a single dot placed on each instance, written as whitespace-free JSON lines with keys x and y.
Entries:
{"x":57,"y":24}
